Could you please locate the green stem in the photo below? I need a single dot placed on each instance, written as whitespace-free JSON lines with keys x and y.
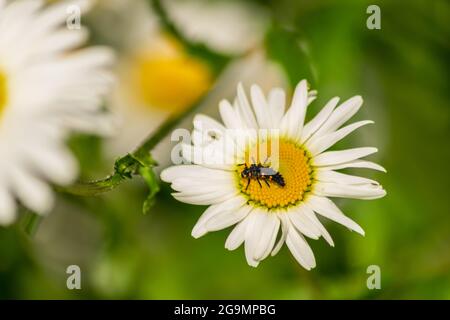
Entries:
{"x":93,"y":188}
{"x":31,"y":223}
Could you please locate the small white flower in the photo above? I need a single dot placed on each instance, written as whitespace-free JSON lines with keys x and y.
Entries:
{"x":48,"y":88}
{"x":288,"y":197}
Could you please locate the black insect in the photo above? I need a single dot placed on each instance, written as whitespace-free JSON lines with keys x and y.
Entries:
{"x":261,"y":172}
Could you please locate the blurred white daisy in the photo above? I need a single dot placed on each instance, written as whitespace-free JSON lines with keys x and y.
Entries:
{"x":231,"y":26}
{"x":48,"y":89}
{"x":285,"y":193}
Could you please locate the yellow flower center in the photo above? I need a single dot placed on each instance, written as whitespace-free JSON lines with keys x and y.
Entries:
{"x":173,"y":83}
{"x":293,"y":166}
{"x":170,"y":79}
{"x":3,"y":92}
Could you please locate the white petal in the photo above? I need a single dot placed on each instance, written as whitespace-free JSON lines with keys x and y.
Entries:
{"x":300,"y":249}
{"x":206,"y":130}
{"x":7,"y":208}
{"x":204,"y":123}
{"x":312,"y":95}
{"x":260,"y":107}
{"x":277,"y":104}
{"x":337,"y":157}
{"x":187,"y":187}
{"x":318,"y":144}
{"x":303,"y":224}
{"x":312,"y":216}
{"x":325,"y":207}
{"x":293,"y":120}
{"x":54,"y":163}
{"x":197,"y":184}
{"x":228,"y":218}
{"x":356,"y":191}
{"x":245,"y":109}
{"x":211,"y":156}
{"x":312,"y":126}
{"x":205,"y":199}
{"x":226,"y":206}
{"x":299,"y":104}
{"x":237,"y":236}
{"x":338,"y":177}
{"x":61,"y":40}
{"x":340,"y":115}
{"x":355,"y":164}
{"x":285,"y":223}
{"x":34,"y":193}
{"x":229,"y":117}
{"x":251,"y":237}
{"x":191,"y":171}
{"x":267,"y":229}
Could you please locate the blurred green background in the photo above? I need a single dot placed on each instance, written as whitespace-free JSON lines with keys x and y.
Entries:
{"x":402,"y":72}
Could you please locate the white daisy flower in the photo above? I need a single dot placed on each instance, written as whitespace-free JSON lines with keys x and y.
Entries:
{"x":48,"y":88}
{"x":282,"y":196}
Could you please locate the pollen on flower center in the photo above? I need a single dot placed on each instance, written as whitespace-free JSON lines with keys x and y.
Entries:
{"x":293,"y":166}
{"x":3,"y":92}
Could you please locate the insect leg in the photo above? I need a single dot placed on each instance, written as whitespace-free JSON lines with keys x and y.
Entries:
{"x":259,"y":182}
{"x":248,"y":183}
{"x":267,"y":183}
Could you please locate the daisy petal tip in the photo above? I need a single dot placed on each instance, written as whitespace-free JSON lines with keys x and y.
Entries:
{"x":360,"y":231}
{"x":198,"y":232}
{"x":302,"y":86}
{"x":309,"y":267}
{"x":254,"y":88}
{"x":335,"y":100}
{"x":164,"y":175}
{"x":358,"y":99}
{"x":303,"y":82}
{"x":46,"y":206}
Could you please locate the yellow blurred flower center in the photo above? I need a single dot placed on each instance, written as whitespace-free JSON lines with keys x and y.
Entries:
{"x":294,"y":168}
{"x":3,"y":92}
{"x":172,"y":82}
